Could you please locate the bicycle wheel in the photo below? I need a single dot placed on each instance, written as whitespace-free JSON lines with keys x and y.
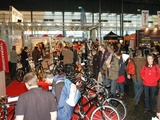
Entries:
{"x":118,"y":105}
{"x":105,"y":113}
{"x":81,"y":108}
{"x":19,"y":75}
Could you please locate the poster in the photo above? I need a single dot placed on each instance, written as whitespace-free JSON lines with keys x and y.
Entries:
{"x":158,"y":14}
{"x":145,"y":15}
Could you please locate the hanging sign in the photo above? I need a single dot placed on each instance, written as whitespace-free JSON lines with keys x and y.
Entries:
{"x":158,"y":14}
{"x":145,"y":15}
{"x":3,"y":57}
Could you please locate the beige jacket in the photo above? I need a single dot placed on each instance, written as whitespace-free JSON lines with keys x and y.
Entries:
{"x":113,"y":70}
{"x":67,"y":56}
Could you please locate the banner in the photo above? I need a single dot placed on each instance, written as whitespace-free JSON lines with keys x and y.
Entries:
{"x":15,"y":15}
{"x":3,"y":57}
{"x":158,"y":14}
{"x":83,"y":17}
{"x":145,"y":15}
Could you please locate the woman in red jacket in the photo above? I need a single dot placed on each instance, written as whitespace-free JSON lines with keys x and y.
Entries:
{"x":150,"y":74}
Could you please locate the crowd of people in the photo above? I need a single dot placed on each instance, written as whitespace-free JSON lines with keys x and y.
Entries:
{"x":107,"y":61}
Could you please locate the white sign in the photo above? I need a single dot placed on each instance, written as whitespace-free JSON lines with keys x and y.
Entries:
{"x":158,"y":14}
{"x":145,"y":14}
{"x":15,"y":15}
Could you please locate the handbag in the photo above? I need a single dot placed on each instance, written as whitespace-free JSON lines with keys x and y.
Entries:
{"x":103,"y":71}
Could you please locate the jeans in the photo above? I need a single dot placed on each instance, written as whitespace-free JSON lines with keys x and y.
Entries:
{"x":104,"y":79}
{"x":13,"y":70}
{"x":149,"y":92}
{"x":112,"y":90}
{"x":120,"y":87}
{"x":138,"y":89}
{"x":36,"y":67}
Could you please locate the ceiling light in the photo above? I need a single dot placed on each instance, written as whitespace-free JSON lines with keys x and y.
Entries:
{"x":49,"y":24}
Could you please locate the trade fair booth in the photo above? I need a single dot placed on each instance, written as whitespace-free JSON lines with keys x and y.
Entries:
{"x":132,"y":40}
{"x":112,"y":37}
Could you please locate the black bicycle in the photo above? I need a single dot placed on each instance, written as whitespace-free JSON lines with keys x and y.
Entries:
{"x":7,"y":107}
{"x":38,"y":69}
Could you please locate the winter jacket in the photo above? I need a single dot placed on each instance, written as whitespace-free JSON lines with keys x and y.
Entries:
{"x":103,"y":57}
{"x":36,"y":55}
{"x":122,"y":67}
{"x":24,"y":55}
{"x":150,"y":76}
{"x":139,"y":62}
{"x":113,"y":70}
{"x":13,"y":56}
{"x":67,"y":56}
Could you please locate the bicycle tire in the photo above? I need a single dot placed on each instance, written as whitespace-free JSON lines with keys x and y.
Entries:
{"x":118,"y":105}
{"x":19,"y":75}
{"x":105,"y":113}
{"x":80,"y":106}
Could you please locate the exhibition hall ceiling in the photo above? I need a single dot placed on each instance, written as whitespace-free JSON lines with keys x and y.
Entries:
{"x":43,"y":10}
{"x":111,"y":6}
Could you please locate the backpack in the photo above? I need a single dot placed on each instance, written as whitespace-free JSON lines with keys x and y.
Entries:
{"x":68,"y":99}
{"x":131,"y":69}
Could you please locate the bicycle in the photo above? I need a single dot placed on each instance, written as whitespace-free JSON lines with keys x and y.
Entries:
{"x":30,"y":68}
{"x":118,"y":105}
{"x":22,"y":71}
{"x":7,"y":107}
{"x":92,"y":98}
{"x":50,"y":65}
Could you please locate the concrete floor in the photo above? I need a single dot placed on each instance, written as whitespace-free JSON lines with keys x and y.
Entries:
{"x":135,"y":112}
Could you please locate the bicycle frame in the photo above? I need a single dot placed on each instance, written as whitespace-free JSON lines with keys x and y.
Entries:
{"x":5,"y":113}
{"x":91,"y":101}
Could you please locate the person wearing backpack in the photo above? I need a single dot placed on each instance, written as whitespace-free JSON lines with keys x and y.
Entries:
{"x":138,"y":63}
{"x":150,"y":74}
{"x":66,"y":94}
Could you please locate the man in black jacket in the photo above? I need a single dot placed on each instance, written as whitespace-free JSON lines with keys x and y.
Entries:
{"x":24,"y":57}
{"x":36,"y":56}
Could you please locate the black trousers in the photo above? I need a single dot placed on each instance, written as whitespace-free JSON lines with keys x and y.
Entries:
{"x":13,"y":70}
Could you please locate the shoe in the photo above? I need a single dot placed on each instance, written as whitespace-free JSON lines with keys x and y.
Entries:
{"x":117,"y":91}
{"x":121,"y":96}
{"x":154,"y":111}
{"x":145,"y":111}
